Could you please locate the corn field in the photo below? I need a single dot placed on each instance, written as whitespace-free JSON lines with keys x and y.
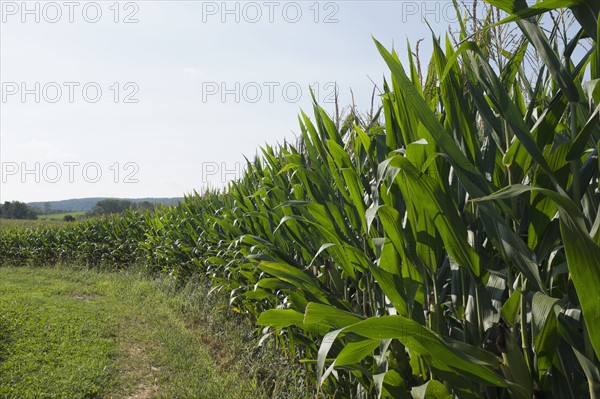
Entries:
{"x":446,"y":245}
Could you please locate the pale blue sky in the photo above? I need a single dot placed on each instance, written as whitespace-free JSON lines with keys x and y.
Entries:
{"x":179,"y":140}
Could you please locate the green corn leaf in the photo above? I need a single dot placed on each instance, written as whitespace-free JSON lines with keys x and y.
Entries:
{"x":280,"y":318}
{"x":426,"y":192}
{"x":316,"y":313}
{"x":354,"y":352}
{"x":432,"y":389}
{"x":583,"y":255}
{"x":426,"y":343}
{"x":510,"y":309}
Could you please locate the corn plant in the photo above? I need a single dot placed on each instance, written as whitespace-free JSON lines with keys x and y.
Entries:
{"x":110,"y":241}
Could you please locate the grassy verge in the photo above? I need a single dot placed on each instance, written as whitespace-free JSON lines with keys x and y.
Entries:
{"x":67,"y":333}
{"x":51,"y":343}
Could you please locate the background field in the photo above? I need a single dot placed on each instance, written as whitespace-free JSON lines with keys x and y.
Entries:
{"x":60,"y":216}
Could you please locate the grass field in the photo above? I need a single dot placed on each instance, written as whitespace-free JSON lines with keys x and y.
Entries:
{"x":68,"y":333}
{"x":52,"y":220}
{"x":60,"y":216}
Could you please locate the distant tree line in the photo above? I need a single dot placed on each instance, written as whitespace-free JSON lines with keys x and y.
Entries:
{"x":17,"y":210}
{"x":20,"y":210}
{"x":112,"y":205}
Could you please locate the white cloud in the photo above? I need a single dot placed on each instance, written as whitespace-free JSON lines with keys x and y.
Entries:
{"x":191,"y":72}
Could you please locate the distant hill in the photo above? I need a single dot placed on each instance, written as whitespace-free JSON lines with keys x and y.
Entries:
{"x":86,"y":204}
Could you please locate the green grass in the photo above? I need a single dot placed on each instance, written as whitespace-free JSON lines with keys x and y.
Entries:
{"x":52,"y":343}
{"x":60,"y":216}
{"x":67,"y":333}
